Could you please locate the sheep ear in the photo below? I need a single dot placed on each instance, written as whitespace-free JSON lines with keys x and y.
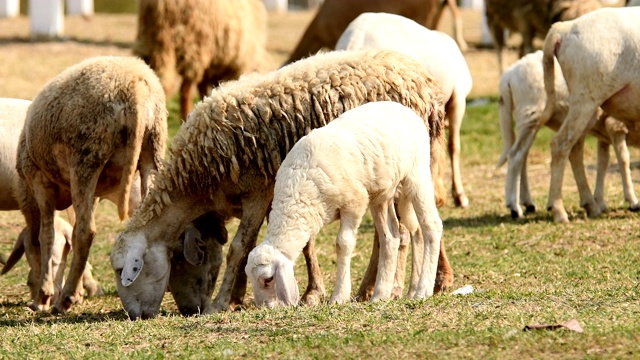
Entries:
{"x":286,"y":286}
{"x":133,"y":264}
{"x":193,"y":246}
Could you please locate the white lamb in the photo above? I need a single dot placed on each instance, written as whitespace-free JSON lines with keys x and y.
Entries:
{"x":522,"y":100}
{"x":357,"y":161}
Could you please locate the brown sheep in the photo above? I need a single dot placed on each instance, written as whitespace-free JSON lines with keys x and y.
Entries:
{"x":86,"y":133}
{"x":530,"y":18}
{"x":334,"y":16}
{"x":205,"y":41}
{"x":225,"y":157}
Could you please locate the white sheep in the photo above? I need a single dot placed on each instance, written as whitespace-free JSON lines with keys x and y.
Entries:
{"x":437,"y":52}
{"x":225,"y":157}
{"x":600,"y":68}
{"x":86,"y":133}
{"x":337,"y":172}
{"x":522,"y":100}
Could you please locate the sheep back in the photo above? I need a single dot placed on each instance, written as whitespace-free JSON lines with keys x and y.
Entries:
{"x":214,"y":39}
{"x":253,"y":123}
{"x":13,"y":113}
{"x":90,"y":114}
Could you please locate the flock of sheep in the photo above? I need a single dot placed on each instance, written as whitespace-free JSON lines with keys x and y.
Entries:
{"x":310,"y":143}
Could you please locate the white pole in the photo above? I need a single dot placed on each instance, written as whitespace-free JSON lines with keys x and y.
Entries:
{"x":80,"y":7}
{"x":276,"y":5}
{"x":9,"y":8}
{"x":46,"y":18}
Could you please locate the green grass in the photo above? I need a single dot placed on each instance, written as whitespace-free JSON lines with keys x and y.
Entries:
{"x":524,"y":272}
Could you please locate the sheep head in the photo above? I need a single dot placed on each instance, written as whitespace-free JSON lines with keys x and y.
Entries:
{"x":271,"y":274}
{"x":142,"y":274}
{"x":195,"y":265}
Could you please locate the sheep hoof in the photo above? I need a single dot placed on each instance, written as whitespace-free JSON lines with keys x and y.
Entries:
{"x":444,"y":282}
{"x":592,"y":210}
{"x":530,"y":209}
{"x":94,"y":291}
{"x":634,"y":208}
{"x":461,"y":201}
{"x":515,"y":214}
{"x":396,"y":293}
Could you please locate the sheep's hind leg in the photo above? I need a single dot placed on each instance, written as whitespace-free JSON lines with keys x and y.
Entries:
{"x":386,"y":220}
{"x":315,"y":284}
{"x":369,"y":279}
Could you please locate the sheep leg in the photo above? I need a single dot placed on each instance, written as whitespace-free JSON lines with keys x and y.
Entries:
{"x":577,"y":164}
{"x":89,"y":283}
{"x":444,"y":274}
{"x":497,"y":32}
{"x":186,"y":101}
{"x":401,"y":267}
{"x":345,"y":244}
{"x":369,"y":279}
{"x":386,"y":220}
{"x":455,"y":109}
{"x":603,"y":166}
{"x":315,"y":284}
{"x":619,"y":142}
{"x":239,"y":289}
{"x":517,"y":171}
{"x":254,"y":210}
{"x":575,"y":124}
{"x":82,"y":190}
{"x":44,"y":193}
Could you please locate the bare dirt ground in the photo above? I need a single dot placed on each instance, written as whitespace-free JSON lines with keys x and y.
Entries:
{"x":26,"y":66}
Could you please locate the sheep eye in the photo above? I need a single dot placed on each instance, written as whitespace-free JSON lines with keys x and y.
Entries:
{"x":268,"y":281}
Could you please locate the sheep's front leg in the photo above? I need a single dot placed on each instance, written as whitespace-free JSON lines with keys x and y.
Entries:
{"x":254,"y":210}
{"x":315,"y":284}
{"x":386,"y":221}
{"x":345,"y":244}
{"x":186,"y":101}
{"x":84,"y":230}
{"x":517,"y":171}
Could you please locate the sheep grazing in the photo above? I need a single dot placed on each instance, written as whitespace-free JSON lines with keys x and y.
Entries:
{"x":334,"y":16}
{"x":86,"y":133}
{"x":337,"y":172}
{"x":225,"y":157}
{"x":14,"y":112}
{"x":596,"y":76}
{"x":204,"y":41}
{"x":522,"y":100}
{"x":530,"y":18}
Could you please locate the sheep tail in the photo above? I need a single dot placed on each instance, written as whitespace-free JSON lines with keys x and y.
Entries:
{"x":135,"y":123}
{"x":16,"y":253}
{"x":551,"y":46}
{"x":506,"y":121}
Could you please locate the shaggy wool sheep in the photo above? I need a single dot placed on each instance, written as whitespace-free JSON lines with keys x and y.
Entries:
{"x":530,"y":18}
{"x":522,"y":100}
{"x":86,"y":133}
{"x":225,"y":157}
{"x":337,"y":172}
{"x":204,"y":41}
{"x":600,"y":68}
{"x":334,"y":16}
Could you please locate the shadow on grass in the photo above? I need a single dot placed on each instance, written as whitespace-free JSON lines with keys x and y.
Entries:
{"x":495,"y":219}
{"x":71,"y":318}
{"x":65,"y":39}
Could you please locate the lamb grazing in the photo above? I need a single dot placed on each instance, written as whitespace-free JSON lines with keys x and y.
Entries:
{"x":530,"y":18}
{"x":224,"y":160}
{"x":86,"y":133}
{"x":337,"y":172}
{"x":596,"y":76}
{"x":522,"y":100}
{"x":333,"y":16}
{"x":14,"y":112}
{"x":204,"y":41}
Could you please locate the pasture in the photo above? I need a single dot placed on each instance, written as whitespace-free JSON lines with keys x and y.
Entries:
{"x":523,"y":272}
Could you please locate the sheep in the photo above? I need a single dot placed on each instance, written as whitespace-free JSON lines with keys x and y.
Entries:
{"x":205,"y":41}
{"x":333,"y":16}
{"x":599,"y":68}
{"x":337,"y":172}
{"x":14,"y":112}
{"x":530,"y":18}
{"x":86,"y":133}
{"x":522,"y":99}
{"x":251,"y":124}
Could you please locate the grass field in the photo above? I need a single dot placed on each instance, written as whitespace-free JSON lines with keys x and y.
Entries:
{"x":524,"y":272}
